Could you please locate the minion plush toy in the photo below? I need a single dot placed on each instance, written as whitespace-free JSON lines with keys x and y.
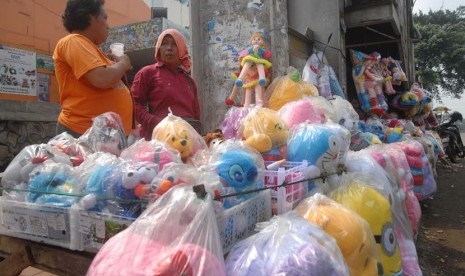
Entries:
{"x":351,"y":232}
{"x":375,"y":209}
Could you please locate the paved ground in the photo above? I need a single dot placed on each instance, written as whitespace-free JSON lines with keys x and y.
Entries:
{"x":441,"y":243}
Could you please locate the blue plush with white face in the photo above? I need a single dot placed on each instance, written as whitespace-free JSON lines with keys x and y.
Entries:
{"x":237,"y":169}
{"x":317,"y":144}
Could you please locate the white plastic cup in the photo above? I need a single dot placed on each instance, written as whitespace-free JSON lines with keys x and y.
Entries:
{"x":117,"y":49}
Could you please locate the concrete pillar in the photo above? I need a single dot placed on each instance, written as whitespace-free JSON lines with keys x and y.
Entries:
{"x":220,"y":30}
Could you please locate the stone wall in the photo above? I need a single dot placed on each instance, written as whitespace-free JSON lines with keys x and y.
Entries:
{"x":15,"y":135}
{"x":23,"y":124}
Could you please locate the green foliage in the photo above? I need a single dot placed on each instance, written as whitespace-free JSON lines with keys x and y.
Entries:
{"x":440,"y":54}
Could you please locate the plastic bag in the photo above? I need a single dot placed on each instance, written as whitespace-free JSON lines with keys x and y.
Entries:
{"x":287,"y":245}
{"x":180,"y":135}
{"x":351,"y":232}
{"x":176,"y":235}
{"x":106,"y":134}
{"x":288,"y":88}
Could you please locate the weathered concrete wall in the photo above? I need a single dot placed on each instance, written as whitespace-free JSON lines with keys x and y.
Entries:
{"x":323,"y":18}
{"x":220,"y":30}
{"x":15,"y":135}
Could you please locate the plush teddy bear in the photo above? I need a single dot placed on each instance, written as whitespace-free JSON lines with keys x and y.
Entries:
{"x":266,"y":132}
{"x":179,"y":135}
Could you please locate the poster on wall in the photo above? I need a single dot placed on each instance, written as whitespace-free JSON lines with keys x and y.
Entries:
{"x":17,"y":71}
{"x":43,"y":87}
{"x":45,"y":62}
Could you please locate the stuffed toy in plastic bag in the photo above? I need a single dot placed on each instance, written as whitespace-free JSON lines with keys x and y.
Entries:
{"x":288,"y":88}
{"x":237,"y":166}
{"x":351,"y":232}
{"x":106,"y":134}
{"x":74,"y":148}
{"x":296,"y":112}
{"x":266,"y":132}
{"x":233,"y":121}
{"x":180,"y":135}
{"x":176,"y":235}
{"x":52,"y":184}
{"x":357,"y":197}
{"x":287,"y":245}
{"x":18,"y":172}
{"x":106,"y":187}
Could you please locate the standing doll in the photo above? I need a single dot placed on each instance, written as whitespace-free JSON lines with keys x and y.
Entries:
{"x":255,"y":62}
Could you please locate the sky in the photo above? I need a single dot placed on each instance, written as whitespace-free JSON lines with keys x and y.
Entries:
{"x":434,"y":5}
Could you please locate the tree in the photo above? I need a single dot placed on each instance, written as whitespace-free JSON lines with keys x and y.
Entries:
{"x":440,"y":54}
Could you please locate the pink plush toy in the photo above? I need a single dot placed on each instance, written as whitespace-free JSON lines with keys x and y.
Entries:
{"x":149,"y":257}
{"x":296,"y":112}
{"x":255,"y":62}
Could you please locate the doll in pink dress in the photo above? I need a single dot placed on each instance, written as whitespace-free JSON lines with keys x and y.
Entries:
{"x":253,"y":77}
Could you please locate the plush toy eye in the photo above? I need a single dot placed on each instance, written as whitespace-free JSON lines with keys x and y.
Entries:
{"x":278,"y":127}
{"x":173,"y":139}
{"x":333,"y":144}
{"x":388,"y":239}
{"x":236,"y":173}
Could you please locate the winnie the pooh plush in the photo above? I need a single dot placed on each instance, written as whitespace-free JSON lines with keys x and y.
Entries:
{"x":266,"y":132}
{"x":179,"y":135}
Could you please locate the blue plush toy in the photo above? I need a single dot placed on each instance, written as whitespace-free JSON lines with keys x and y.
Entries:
{"x":238,"y":172}
{"x":49,"y":185}
{"x":105,"y":193}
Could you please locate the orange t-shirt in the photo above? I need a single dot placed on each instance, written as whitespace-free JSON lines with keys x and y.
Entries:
{"x":80,"y":101}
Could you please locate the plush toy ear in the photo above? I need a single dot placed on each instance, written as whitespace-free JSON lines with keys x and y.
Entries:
{"x":260,"y":142}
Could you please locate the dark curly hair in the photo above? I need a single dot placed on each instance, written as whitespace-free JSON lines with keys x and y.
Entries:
{"x":78,"y":12}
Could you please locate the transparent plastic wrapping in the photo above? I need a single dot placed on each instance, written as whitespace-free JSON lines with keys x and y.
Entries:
{"x":16,"y":176}
{"x":300,"y":111}
{"x":238,"y":169}
{"x":266,"y":132}
{"x":106,"y":134}
{"x":288,"y":88}
{"x":287,"y":245}
{"x":351,"y":232}
{"x":176,"y":235}
{"x":233,"y":121}
{"x":424,"y":184}
{"x":105,"y":187}
{"x":354,"y":194}
{"x":74,"y":148}
{"x":53,"y":184}
{"x":180,"y":135}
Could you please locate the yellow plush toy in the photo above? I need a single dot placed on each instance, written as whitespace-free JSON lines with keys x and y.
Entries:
{"x":266,"y":132}
{"x":351,"y":232}
{"x":287,"y":89}
{"x":179,"y":135}
{"x":375,"y":209}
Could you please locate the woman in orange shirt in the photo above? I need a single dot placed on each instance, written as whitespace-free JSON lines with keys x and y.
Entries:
{"x":89,"y":83}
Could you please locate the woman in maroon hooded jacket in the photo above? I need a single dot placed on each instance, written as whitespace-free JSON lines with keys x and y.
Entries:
{"x":166,"y":85}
